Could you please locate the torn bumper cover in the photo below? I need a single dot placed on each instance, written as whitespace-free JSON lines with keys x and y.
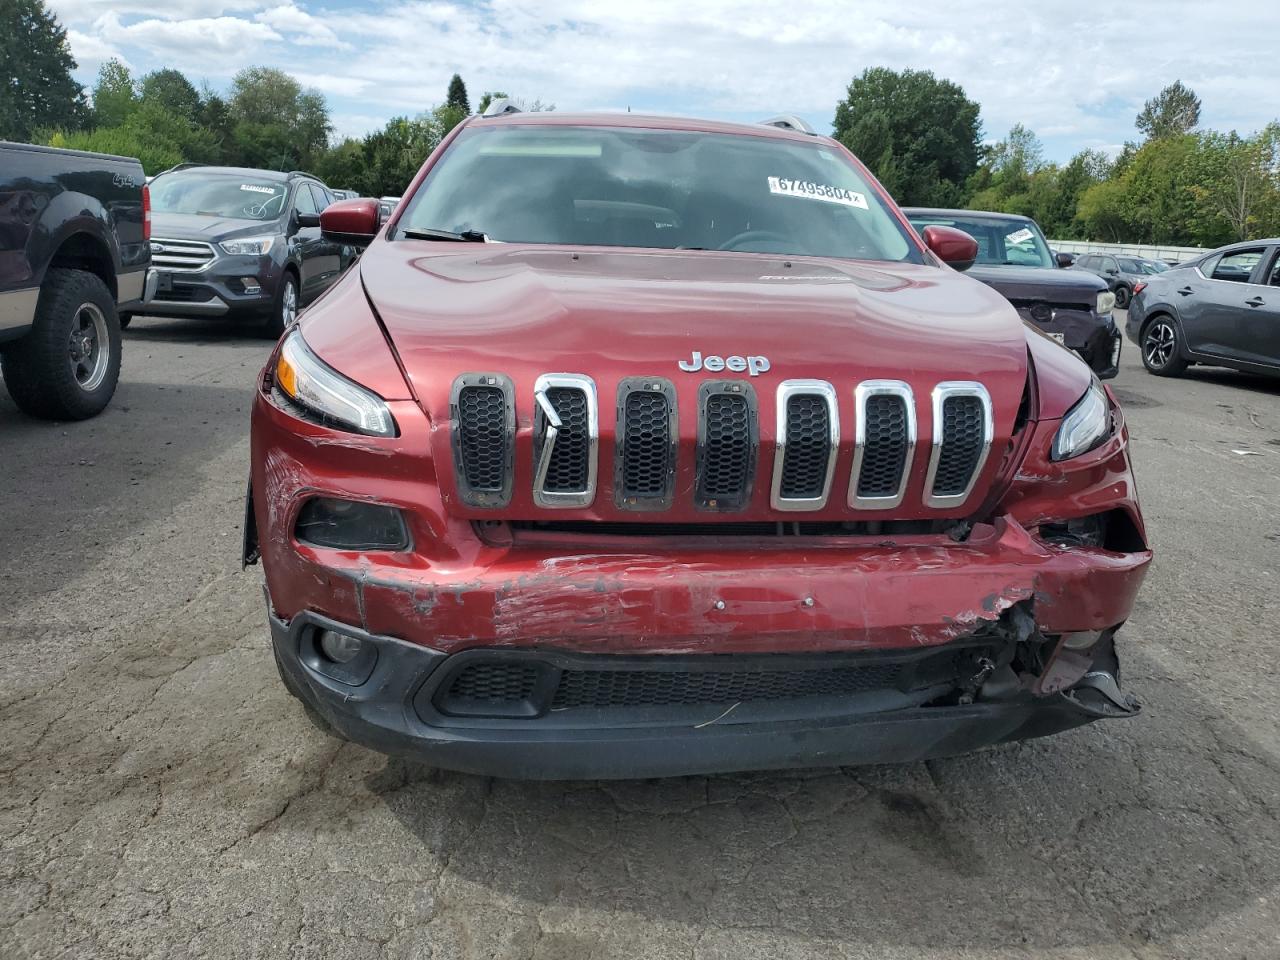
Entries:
{"x":639,"y":665}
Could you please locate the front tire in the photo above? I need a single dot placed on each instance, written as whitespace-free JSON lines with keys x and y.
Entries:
{"x":1162,"y":347}
{"x":1122,"y":297}
{"x":67,"y":367}
{"x":285,"y":309}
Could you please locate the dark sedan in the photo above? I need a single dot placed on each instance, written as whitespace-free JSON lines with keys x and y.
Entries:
{"x":1222,"y":309}
{"x":1070,"y":306}
{"x":1122,"y":274}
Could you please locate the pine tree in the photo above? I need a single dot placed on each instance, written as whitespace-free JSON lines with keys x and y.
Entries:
{"x":458,"y":95}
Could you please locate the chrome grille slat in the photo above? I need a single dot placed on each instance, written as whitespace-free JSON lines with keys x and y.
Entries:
{"x":963,"y":429}
{"x":884,"y":444}
{"x":182,"y":256}
{"x":807,"y":440}
{"x":566,"y":435}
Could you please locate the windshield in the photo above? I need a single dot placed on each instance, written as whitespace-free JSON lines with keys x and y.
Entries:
{"x":218,"y":195}
{"x":1153,"y":266}
{"x":1010,"y":242}
{"x":602,"y":186}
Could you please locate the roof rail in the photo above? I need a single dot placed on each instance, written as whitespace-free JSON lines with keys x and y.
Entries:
{"x":788,"y":121}
{"x":180,"y":166}
{"x":497,"y":108}
{"x":303,"y":173}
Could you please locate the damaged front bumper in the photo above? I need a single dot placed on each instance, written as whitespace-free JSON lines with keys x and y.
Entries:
{"x":408,"y":706}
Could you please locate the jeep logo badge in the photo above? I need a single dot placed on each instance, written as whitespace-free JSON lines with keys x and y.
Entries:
{"x":713,"y":364}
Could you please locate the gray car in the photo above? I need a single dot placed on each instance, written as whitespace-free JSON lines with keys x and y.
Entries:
{"x":1121,"y":273}
{"x":238,"y":242}
{"x":1222,"y":309}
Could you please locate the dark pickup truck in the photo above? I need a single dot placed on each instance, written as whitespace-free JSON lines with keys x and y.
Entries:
{"x":74,"y":252}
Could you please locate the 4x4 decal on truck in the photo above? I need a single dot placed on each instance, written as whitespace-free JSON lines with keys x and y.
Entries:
{"x":754,"y":365}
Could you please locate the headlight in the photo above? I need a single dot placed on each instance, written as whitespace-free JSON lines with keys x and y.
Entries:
{"x":1085,"y":426}
{"x":1106,"y":301}
{"x":308,"y":382}
{"x":248,"y":247}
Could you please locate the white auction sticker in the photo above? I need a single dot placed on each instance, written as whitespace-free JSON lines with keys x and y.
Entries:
{"x":816,"y":191}
{"x":253,"y":189}
{"x":1021,"y":236}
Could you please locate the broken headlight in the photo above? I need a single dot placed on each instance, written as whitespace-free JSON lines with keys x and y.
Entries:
{"x":1085,"y":426}
{"x":320,"y":390}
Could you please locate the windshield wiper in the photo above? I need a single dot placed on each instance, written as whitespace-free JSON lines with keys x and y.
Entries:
{"x":467,"y":236}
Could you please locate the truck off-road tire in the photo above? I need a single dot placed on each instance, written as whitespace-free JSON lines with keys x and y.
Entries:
{"x":1161,"y":347}
{"x":66,"y":368}
{"x":285,"y":310}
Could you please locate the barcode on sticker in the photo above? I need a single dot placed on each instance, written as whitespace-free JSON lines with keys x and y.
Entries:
{"x":816,"y":191}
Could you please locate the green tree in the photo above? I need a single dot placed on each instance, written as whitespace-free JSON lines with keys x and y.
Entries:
{"x":114,"y":95}
{"x":457,"y":96}
{"x":1172,"y":112}
{"x":488,"y":98}
{"x":173,"y":92}
{"x":919,"y":135}
{"x":342,"y":166}
{"x":36,"y":87}
{"x":277,"y":123}
{"x":1236,"y":184}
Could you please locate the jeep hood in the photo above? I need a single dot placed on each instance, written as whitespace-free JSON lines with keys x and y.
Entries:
{"x":523,"y":311}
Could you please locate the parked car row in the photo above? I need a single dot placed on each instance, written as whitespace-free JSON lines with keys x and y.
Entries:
{"x":1120,"y":273}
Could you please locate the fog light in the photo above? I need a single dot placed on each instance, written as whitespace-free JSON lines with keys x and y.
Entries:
{"x":339,"y":647}
{"x":251,"y":284}
{"x":351,"y":525}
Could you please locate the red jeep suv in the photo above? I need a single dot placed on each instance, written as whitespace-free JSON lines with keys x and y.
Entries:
{"x":639,"y":446}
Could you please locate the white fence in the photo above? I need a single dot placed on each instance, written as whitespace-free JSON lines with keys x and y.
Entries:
{"x":1147,"y":251}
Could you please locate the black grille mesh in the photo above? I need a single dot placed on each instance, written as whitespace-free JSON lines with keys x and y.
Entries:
{"x":884,"y":451}
{"x":808,"y":450}
{"x":962,"y":443}
{"x":644,"y":688}
{"x":646,"y":450}
{"x":568,"y":469}
{"x":494,"y":683}
{"x":726,"y":456}
{"x":482,"y":440}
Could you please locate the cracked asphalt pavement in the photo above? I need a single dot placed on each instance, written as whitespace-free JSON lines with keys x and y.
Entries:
{"x":162,"y":796}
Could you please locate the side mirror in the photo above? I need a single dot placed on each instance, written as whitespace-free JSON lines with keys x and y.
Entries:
{"x":1064,"y":259}
{"x":351,"y":221}
{"x":308,"y":219}
{"x":953,"y":247}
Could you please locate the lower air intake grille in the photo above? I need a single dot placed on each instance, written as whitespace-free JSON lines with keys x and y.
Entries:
{"x":808,"y":448}
{"x":727,"y":446}
{"x":963,"y":444}
{"x":494,"y":683}
{"x":648,"y":688}
{"x":884,"y":446}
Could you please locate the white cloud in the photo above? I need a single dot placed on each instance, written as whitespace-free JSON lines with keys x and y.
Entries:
{"x":302,"y":28}
{"x":1049,"y":67}
{"x":90,"y":49}
{"x":195,"y":38}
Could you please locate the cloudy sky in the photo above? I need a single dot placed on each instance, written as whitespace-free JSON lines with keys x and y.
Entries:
{"x":1075,"y":72}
